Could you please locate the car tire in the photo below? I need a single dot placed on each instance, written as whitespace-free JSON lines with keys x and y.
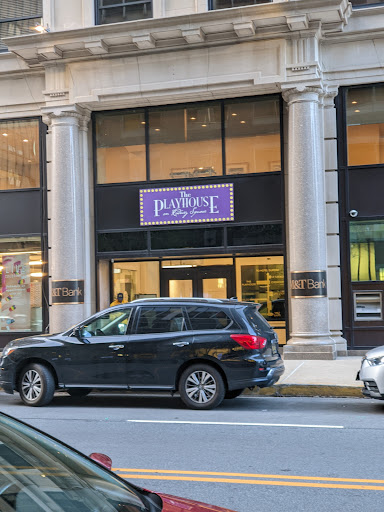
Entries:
{"x":78,"y":392}
{"x":201,"y":387}
{"x":36,"y":385}
{"x":233,"y":393}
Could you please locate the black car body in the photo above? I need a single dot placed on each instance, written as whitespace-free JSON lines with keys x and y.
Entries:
{"x":206,"y":349}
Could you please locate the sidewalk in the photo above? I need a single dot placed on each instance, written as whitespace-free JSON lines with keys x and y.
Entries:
{"x":318,"y":378}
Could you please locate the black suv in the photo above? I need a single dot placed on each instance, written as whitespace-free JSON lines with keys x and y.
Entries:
{"x":207,"y":349}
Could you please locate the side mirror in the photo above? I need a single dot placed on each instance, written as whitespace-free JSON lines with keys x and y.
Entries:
{"x":102,"y":459}
{"x":77,"y":333}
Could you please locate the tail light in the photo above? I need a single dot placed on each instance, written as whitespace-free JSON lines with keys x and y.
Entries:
{"x":249,"y":341}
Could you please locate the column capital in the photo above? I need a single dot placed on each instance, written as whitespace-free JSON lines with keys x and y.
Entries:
{"x":66,"y":115}
{"x":330,"y":93}
{"x":302,"y":93}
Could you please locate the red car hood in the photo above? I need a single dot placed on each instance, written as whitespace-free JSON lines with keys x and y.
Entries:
{"x":176,"y":504}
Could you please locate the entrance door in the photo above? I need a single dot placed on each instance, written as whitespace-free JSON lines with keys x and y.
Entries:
{"x":216,"y":282}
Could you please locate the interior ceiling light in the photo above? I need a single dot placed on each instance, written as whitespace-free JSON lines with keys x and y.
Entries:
{"x":204,"y":125}
{"x":234,"y":114}
{"x":157,"y":129}
{"x":5,"y":134}
{"x":25,"y":140}
{"x":357,"y":110}
{"x":36,"y":274}
{"x":354,"y":102}
{"x":142,"y":122}
{"x":242,"y":122}
{"x":193,"y":118}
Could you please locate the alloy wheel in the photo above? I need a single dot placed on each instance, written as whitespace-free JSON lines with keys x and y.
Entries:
{"x":200,"y":387}
{"x":31,"y":385}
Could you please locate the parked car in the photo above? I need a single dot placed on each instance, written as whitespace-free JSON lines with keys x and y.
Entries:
{"x":207,"y":349}
{"x":41,"y":474}
{"x":372,"y":373}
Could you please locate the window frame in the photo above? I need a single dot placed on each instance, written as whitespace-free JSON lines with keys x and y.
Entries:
{"x":36,"y":17}
{"x":365,"y":6}
{"x":119,"y":3}
{"x":211,"y":8}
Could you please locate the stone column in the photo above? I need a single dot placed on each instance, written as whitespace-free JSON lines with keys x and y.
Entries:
{"x":306,"y":233}
{"x":68,"y":233}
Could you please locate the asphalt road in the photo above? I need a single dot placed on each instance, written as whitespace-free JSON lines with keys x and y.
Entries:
{"x":250,"y":454}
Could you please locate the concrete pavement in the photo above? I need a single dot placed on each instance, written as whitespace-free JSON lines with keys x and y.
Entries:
{"x":335,"y":378}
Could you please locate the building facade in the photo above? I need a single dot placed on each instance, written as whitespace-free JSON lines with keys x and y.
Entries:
{"x":220,"y":148}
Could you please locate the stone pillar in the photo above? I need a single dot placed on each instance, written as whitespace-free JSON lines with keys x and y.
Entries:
{"x":310,"y":337}
{"x":68,"y":229}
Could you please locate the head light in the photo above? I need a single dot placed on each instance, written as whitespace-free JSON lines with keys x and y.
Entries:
{"x":375,"y":361}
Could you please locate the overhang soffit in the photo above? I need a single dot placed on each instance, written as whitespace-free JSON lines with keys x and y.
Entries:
{"x":258,"y":22}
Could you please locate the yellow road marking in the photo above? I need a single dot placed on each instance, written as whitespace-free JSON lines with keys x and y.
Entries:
{"x":254,"y":482}
{"x":247,"y":475}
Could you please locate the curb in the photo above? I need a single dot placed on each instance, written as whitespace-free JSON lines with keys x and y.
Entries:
{"x":320,"y":390}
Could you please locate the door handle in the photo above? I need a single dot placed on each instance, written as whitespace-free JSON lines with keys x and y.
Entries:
{"x":116,"y":347}
{"x":181,"y":343}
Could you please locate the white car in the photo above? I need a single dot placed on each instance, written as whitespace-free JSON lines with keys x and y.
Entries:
{"x":372,"y":373}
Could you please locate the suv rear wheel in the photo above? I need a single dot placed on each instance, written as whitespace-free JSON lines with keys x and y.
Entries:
{"x":201,"y":387}
{"x":36,"y":385}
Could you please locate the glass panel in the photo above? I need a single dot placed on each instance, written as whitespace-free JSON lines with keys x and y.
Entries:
{"x":365,"y":125}
{"x":40,"y":474}
{"x":207,"y":318}
{"x":355,"y":3}
{"x":225,"y":4}
{"x":185,"y":142}
{"x":19,"y":155}
{"x":186,"y":238}
{"x":261,"y":234}
{"x":261,"y":280}
{"x":136,"y":280}
{"x":196,"y":262}
{"x":120,"y":141}
{"x":126,"y":241}
{"x":180,"y":288}
{"x":21,"y":284}
{"x":127,"y":10}
{"x":215,"y":288}
{"x":252,"y":136}
{"x":109,"y":324}
{"x":367,"y":250}
{"x":160,"y":319}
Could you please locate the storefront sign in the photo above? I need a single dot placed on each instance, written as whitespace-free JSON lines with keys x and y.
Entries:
{"x":308,"y":284}
{"x":15,"y":290}
{"x":186,"y":205}
{"x":68,"y":292}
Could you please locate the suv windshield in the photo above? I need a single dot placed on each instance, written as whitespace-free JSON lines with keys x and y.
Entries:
{"x":38,"y":474}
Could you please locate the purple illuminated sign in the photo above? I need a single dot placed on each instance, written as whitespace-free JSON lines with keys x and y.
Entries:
{"x":186,"y":205}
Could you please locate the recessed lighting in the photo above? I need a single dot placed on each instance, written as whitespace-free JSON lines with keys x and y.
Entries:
{"x":25,"y":140}
{"x":201,"y":168}
{"x":234,"y":114}
{"x":357,"y":110}
{"x":36,"y":274}
{"x":142,"y":122}
{"x":29,"y":161}
{"x":157,"y":129}
{"x":242,"y":122}
{"x":5,"y":134}
{"x":193,"y":118}
{"x":354,"y":102}
{"x":204,"y":125}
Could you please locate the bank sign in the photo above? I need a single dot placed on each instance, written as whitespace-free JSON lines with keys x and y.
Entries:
{"x":186,"y":205}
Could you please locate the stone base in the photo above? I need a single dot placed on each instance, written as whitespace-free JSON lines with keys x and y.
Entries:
{"x":309,"y":351}
{"x":341,"y":344}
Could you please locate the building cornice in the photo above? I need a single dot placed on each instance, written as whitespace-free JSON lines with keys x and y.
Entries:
{"x":278,"y":19}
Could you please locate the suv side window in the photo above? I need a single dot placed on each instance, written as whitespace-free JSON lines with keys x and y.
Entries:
{"x":113,"y":323}
{"x":204,"y":317}
{"x":158,"y":319}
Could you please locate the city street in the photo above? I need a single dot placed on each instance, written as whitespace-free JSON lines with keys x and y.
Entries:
{"x":283,"y":454}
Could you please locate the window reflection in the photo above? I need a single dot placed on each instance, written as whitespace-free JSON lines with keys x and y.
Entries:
{"x":185,"y":142}
{"x":21,"y":272}
{"x":136,"y":280}
{"x":19,"y":155}
{"x":365,"y":126}
{"x":367,"y":251}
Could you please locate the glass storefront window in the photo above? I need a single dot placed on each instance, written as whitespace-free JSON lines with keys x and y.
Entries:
{"x":365,"y":125}
{"x":120,"y":143}
{"x":252,"y":136}
{"x":21,"y":284}
{"x":19,"y":155}
{"x":136,"y":280}
{"x":185,"y":142}
{"x":261,"y":280}
{"x":367,"y":250}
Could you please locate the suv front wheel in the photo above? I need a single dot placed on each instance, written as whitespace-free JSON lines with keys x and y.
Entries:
{"x":36,"y":385}
{"x":201,"y":387}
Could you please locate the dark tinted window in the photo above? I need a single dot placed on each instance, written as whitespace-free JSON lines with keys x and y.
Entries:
{"x":226,"y":4}
{"x":202,"y":318}
{"x":158,"y":319}
{"x":130,"y":241}
{"x":186,"y":238}
{"x":258,"y":234}
{"x":357,"y":3}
